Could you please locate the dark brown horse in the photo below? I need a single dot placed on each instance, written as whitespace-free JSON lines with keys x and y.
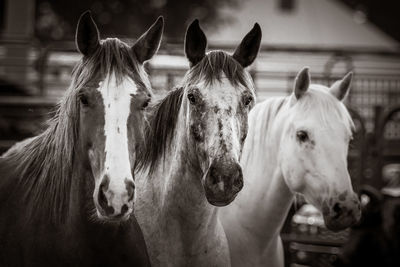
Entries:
{"x":66,"y":195}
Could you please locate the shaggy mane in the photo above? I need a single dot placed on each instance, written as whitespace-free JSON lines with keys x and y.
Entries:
{"x":42,"y":166}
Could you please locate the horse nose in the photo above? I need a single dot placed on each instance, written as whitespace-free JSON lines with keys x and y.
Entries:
{"x":343,"y":214}
{"x":115,"y":203}
{"x":226,"y":177}
{"x":223,"y":181}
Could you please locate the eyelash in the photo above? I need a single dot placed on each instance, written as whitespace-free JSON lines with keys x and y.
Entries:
{"x":83,"y":99}
{"x":248,"y":100}
{"x":192,"y":98}
{"x":302,"y":136}
{"x":146,"y":103}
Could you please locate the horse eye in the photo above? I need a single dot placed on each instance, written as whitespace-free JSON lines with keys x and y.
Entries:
{"x":191,"y":98}
{"x":84,"y":100}
{"x":302,"y":136}
{"x":248,"y":100}
{"x":146,"y":103}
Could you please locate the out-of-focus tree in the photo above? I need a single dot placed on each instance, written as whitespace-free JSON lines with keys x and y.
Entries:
{"x":129,"y":18}
{"x":382,"y":13}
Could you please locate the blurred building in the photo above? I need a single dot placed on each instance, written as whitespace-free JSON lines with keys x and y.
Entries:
{"x":323,"y":34}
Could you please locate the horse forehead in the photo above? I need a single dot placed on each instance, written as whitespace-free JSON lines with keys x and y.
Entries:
{"x":113,"y":90}
{"x":222,"y":93}
{"x":311,"y":121}
{"x":319,"y":87}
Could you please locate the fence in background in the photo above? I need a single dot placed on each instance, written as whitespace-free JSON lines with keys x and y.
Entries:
{"x":47,"y":72}
{"x":374,"y":103}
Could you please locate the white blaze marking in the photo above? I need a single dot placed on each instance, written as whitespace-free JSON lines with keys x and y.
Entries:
{"x":117,"y":102}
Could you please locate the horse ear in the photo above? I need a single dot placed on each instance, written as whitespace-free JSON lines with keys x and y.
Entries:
{"x":301,"y":83}
{"x":340,"y":89}
{"x":195,"y":43}
{"x":248,"y":49}
{"x":147,"y":45}
{"x":87,"y":37}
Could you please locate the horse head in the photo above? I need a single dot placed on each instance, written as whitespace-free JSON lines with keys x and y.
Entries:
{"x":314,"y":148}
{"x":218,"y":94}
{"x":113,"y":91}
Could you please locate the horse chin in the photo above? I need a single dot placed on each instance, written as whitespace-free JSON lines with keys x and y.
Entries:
{"x":220,"y":202}
{"x":118,"y":219}
{"x":339,"y":225}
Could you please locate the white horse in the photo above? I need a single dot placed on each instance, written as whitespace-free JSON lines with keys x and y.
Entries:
{"x":296,"y":144}
{"x":190,"y":162}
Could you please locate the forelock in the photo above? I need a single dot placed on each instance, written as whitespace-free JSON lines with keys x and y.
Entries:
{"x":114,"y":56}
{"x":215,"y":66}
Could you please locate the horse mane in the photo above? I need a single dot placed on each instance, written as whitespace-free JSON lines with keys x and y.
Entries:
{"x":164,"y":115}
{"x":114,"y":56}
{"x":261,"y":120}
{"x":43,"y":165}
{"x":160,"y":129}
{"x":211,"y":68}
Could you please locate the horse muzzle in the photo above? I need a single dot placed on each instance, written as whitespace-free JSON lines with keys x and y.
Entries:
{"x":342,"y":214}
{"x":222,"y":183}
{"x":114,"y":205}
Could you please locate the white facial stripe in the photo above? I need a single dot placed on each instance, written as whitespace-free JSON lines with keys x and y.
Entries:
{"x":117,"y":103}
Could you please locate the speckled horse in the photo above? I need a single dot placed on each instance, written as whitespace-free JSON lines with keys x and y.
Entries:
{"x":190,"y":165}
{"x":296,"y":144}
{"x":66,"y":195}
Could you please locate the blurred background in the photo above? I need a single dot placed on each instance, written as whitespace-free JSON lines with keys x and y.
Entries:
{"x":332,"y":37}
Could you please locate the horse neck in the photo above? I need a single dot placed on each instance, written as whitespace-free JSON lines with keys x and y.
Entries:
{"x":80,"y":197}
{"x":44,"y":170}
{"x":181,"y":186}
{"x":265,"y":196}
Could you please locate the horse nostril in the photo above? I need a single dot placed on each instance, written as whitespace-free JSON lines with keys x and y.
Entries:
{"x":238,"y":182}
{"x":130,"y":187}
{"x":337,"y":209}
{"x":124,"y":209}
{"x":102,"y":196}
{"x":103,"y":200}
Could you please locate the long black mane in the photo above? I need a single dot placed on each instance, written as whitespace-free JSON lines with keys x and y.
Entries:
{"x":164,"y":115}
{"x":160,"y":129}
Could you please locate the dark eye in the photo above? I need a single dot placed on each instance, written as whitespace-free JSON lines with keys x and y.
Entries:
{"x":302,"y":136}
{"x":248,"y":100}
{"x":191,"y":98}
{"x":146,"y":103}
{"x":83,"y":99}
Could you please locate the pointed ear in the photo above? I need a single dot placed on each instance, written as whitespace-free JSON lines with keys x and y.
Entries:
{"x":195,"y":43}
{"x":301,"y":83}
{"x":340,"y":89}
{"x":87,"y":37}
{"x":248,"y":49}
{"x":147,"y":45}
